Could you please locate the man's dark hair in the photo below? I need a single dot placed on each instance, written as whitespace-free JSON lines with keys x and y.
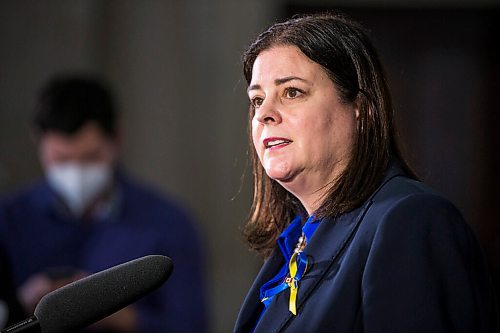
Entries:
{"x":67,"y":103}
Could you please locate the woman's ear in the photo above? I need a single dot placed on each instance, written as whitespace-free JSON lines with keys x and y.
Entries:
{"x":357,"y":106}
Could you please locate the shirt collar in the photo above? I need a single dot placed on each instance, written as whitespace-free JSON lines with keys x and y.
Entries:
{"x":310,"y":227}
{"x":289,"y":237}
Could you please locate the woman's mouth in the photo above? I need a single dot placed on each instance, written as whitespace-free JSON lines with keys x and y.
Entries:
{"x":276,"y":142}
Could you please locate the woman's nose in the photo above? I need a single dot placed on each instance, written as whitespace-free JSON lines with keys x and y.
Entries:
{"x":268,"y":113}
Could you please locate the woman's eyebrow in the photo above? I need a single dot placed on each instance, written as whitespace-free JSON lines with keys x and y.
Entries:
{"x":253,"y":87}
{"x":287,"y":79}
{"x":278,"y":82}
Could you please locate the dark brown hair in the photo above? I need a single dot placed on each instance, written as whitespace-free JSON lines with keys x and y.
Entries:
{"x":70,"y":101}
{"x":343,"y":49}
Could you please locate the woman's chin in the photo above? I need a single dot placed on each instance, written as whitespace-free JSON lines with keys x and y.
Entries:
{"x":280,"y":175}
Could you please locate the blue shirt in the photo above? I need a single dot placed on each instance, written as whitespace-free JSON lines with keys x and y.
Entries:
{"x":39,"y":237}
{"x":287,"y":242}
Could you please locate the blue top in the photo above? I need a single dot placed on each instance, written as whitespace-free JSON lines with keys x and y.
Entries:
{"x":287,"y":242}
{"x":38,"y":236}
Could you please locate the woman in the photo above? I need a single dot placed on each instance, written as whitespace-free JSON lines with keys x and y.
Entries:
{"x":352,"y":241}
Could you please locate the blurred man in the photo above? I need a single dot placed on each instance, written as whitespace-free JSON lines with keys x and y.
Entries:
{"x":88,"y":215}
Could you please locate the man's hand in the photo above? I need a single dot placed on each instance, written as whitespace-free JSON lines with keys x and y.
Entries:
{"x":39,"y":285}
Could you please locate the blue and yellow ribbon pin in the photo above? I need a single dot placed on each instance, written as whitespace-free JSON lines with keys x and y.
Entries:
{"x":297,"y":266}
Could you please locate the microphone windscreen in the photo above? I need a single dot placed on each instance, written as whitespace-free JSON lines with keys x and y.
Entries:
{"x":99,"y":295}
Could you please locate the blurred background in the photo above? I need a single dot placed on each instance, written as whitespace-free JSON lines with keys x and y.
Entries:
{"x":176,"y":73}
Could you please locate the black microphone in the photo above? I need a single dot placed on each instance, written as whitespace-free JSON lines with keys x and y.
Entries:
{"x":95,"y":297}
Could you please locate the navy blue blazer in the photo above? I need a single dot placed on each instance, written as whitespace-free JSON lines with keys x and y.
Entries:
{"x":405,"y":261}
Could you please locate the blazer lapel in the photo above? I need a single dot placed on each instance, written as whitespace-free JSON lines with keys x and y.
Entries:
{"x":325,"y":248}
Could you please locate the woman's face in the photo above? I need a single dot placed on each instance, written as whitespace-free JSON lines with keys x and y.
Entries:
{"x":302,"y":132}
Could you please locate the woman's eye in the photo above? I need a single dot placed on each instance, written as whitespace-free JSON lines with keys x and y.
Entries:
{"x":256,"y":101}
{"x":292,"y":93}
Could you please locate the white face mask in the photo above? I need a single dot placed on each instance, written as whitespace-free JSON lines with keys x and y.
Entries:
{"x":79,"y":185}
